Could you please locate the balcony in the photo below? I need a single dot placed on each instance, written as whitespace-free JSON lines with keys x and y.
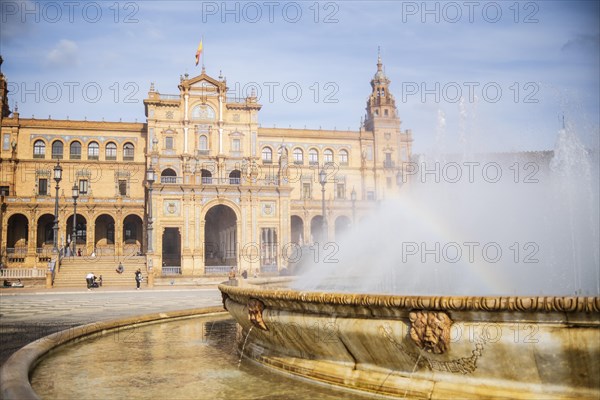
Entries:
{"x":171,"y":179}
{"x":207,"y":180}
{"x":169,"y":97}
{"x":234,"y":181}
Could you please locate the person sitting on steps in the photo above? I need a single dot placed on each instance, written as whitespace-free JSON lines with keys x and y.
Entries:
{"x":120,"y":268}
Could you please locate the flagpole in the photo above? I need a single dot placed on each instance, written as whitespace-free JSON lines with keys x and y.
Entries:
{"x":203,"y":55}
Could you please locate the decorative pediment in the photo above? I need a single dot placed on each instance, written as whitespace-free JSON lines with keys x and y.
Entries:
{"x":202,"y":83}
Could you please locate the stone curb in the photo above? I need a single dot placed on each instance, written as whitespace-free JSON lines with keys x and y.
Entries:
{"x":14,"y":374}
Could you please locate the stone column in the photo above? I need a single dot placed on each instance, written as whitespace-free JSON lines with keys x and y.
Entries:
{"x":90,"y":236}
{"x":118,"y":235}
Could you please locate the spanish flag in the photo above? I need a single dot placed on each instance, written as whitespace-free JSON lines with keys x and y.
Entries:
{"x":198,"y":52}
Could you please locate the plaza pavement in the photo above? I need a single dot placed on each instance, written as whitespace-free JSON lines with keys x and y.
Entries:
{"x":29,"y":314}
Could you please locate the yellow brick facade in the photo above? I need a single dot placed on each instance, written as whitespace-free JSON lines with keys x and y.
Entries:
{"x":226,"y":191}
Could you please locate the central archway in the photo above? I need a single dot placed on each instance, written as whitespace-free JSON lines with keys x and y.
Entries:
{"x":104,"y":235}
{"x":220,"y":239}
{"x":171,"y":250}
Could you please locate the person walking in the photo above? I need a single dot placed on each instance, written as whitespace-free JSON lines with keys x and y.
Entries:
{"x":138,"y":278}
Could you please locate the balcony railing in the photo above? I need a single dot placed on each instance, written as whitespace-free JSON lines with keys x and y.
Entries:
{"x":171,"y":179}
{"x":269,"y":268}
{"x":236,"y":100}
{"x":171,"y":270}
{"x":169,"y":97}
{"x":217,"y":269}
{"x":207,"y":180}
{"x":234,"y":181}
{"x":389,"y":164}
{"x":18,"y":273}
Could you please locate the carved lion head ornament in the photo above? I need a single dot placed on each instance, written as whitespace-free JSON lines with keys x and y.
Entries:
{"x":255,"y":309}
{"x":430,"y":330}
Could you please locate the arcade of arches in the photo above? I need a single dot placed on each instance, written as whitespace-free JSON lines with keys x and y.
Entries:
{"x":101,"y":238}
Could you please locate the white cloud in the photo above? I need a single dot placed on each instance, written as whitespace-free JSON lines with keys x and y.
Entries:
{"x":66,"y":53}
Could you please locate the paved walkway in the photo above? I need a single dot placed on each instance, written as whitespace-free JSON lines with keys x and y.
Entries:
{"x":29,"y":314}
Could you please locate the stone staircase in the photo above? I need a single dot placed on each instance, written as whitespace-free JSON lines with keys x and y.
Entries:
{"x":74,"y":269}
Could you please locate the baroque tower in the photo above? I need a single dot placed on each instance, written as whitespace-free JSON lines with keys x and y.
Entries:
{"x":385,"y":148}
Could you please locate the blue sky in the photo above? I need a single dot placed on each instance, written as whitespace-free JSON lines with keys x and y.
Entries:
{"x":519,"y":66}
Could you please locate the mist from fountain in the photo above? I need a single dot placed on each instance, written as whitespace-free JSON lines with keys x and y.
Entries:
{"x":484,"y":224}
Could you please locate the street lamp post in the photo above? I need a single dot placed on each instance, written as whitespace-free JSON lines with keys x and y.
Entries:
{"x":75,"y":194}
{"x":322,"y":181}
{"x":353,"y":199}
{"x":150,"y":180}
{"x":57,"y":179}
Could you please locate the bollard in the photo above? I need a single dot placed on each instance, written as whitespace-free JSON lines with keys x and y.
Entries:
{"x":48,"y":280}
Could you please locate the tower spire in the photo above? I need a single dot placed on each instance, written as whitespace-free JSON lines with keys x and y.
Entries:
{"x":381,"y":103}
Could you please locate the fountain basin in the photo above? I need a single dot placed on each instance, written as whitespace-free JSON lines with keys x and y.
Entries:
{"x":424,"y":347}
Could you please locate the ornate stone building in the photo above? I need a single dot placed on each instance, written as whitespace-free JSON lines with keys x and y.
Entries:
{"x":223,"y":191}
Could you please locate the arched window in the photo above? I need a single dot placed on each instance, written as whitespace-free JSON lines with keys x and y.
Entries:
{"x":93,"y":151}
{"x":75,"y":151}
{"x":385,"y":113}
{"x":203,"y":112}
{"x":267,"y":155}
{"x":235,"y":177}
{"x":39,"y":149}
{"x":298,"y":156}
{"x":168,"y":175}
{"x":206,"y":177}
{"x":376,"y":112}
{"x":343,"y":157}
{"x":111,"y":151}
{"x":313,"y":157}
{"x":57,"y":149}
{"x":328,"y":156}
{"x":128,"y":152}
{"x":203,"y":142}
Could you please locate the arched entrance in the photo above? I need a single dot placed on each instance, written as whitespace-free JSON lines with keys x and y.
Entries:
{"x":297,"y":230}
{"x":342,"y":226}
{"x":81,"y":230}
{"x":45,"y":233}
{"x":220,"y":239}
{"x":316,"y":229}
{"x":132,"y":234}
{"x":104,"y":235}
{"x":171,"y":251}
{"x":16,"y":238}
{"x":45,"y":236}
